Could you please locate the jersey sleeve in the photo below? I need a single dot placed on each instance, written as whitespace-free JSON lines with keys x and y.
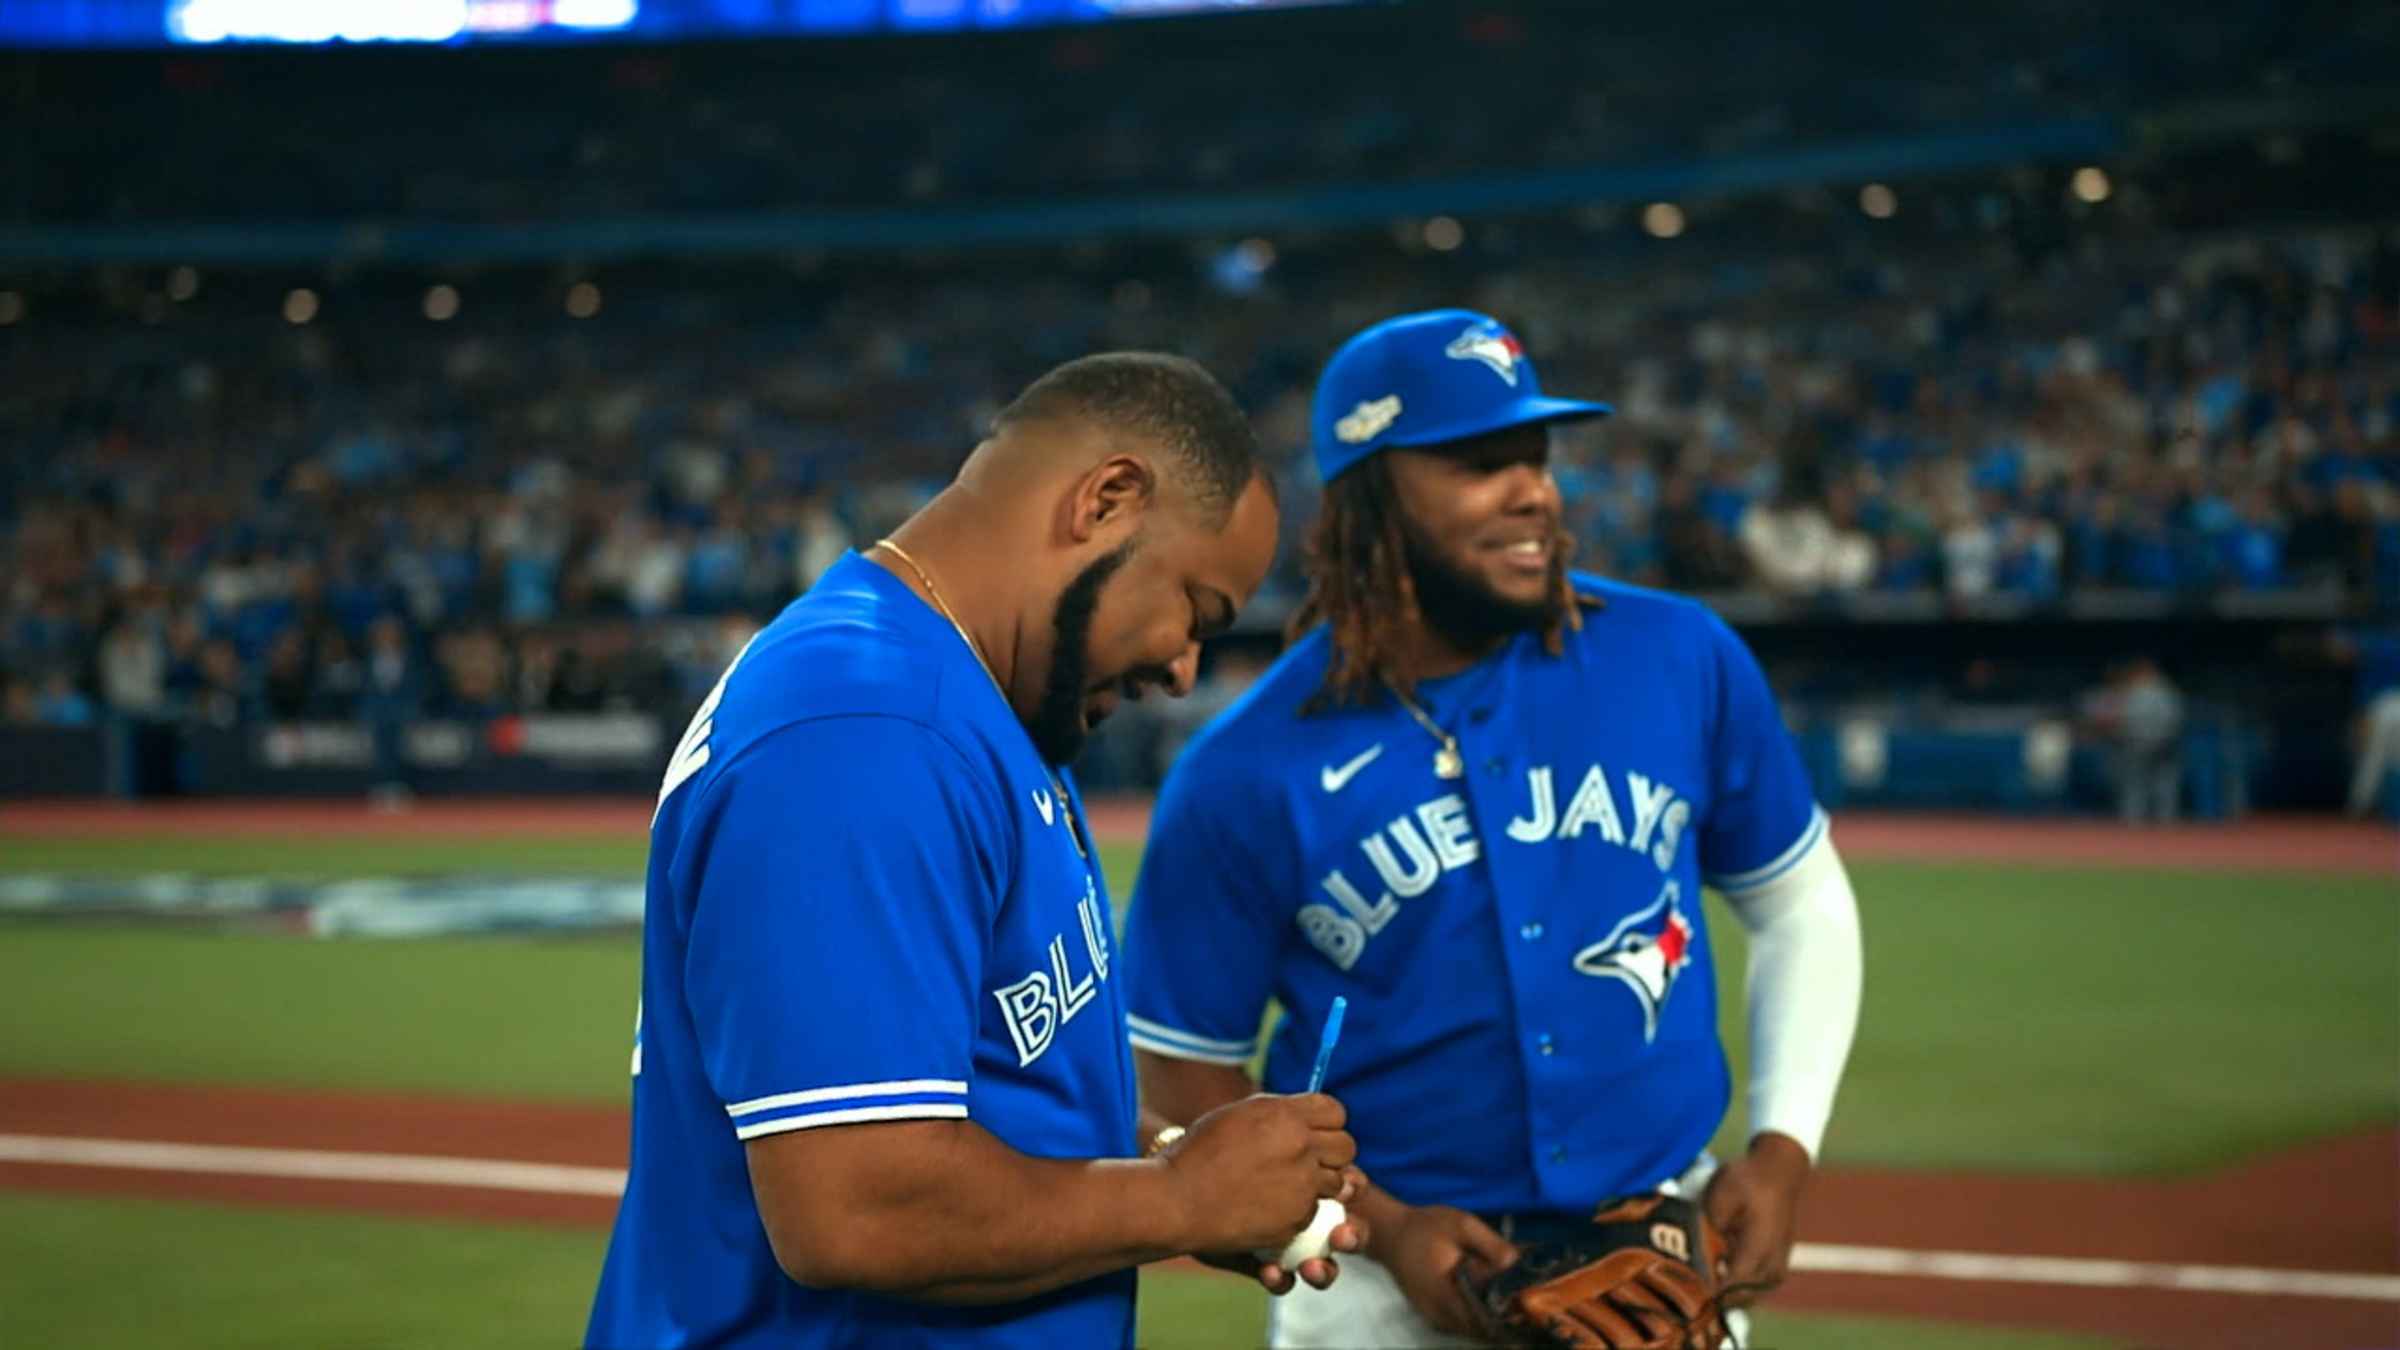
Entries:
{"x":1200,"y":935}
{"x":1763,"y":817}
{"x":843,"y":878}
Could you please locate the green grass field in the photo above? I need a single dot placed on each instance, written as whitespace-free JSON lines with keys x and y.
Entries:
{"x":224,"y":1279}
{"x":2017,"y":1017}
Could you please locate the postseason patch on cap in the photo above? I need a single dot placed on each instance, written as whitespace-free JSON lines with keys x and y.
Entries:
{"x":1368,"y":420}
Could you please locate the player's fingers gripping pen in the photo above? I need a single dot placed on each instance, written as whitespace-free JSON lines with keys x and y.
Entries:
{"x":1316,"y":1241}
{"x":1326,"y":1040}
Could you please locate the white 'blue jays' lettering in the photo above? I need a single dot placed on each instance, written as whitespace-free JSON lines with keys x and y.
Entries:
{"x":1413,"y":851}
{"x":1045,"y":1000}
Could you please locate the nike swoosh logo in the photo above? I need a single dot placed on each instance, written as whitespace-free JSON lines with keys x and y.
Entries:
{"x":1335,"y":779}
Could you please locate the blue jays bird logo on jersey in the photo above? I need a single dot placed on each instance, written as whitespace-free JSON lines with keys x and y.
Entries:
{"x":1492,"y":345}
{"x":1645,"y":952}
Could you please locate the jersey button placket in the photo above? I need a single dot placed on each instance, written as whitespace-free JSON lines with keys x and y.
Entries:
{"x":1493,"y":765}
{"x":1486,"y":797}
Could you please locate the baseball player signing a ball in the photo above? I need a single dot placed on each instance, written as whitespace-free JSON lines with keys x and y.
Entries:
{"x":882,"y":1093}
{"x":1479,"y":796}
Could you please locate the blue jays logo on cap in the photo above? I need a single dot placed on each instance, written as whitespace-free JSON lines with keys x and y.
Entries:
{"x":1426,"y":378}
{"x":1491,"y":344}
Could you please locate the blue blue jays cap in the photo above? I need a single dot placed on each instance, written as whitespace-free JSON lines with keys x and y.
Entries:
{"x":1421,"y":379}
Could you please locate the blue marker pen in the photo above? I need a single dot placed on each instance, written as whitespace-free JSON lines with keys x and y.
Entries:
{"x":1325,"y":1042}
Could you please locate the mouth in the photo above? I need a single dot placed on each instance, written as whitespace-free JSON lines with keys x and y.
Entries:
{"x":1528,"y":556}
{"x":1097,"y":706}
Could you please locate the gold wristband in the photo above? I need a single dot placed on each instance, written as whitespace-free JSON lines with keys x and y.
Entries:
{"x":1163,"y":1140}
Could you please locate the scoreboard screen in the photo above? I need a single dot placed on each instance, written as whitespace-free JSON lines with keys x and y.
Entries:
{"x":166,"y":23}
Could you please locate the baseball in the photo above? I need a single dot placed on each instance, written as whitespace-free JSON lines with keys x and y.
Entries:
{"x":1314,"y":1241}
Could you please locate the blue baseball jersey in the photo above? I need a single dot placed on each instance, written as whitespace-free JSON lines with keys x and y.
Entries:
{"x":1532,"y":1020}
{"x":866,"y":903}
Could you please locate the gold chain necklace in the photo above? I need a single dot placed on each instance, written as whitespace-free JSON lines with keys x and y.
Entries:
{"x":1447,"y":761}
{"x":975,"y":649}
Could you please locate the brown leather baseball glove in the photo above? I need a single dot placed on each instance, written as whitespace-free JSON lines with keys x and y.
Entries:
{"x":1644,"y":1274}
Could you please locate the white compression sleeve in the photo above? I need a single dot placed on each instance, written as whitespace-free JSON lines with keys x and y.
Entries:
{"x":1804,"y":991}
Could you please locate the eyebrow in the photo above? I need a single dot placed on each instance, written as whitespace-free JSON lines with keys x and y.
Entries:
{"x":1210,"y":625}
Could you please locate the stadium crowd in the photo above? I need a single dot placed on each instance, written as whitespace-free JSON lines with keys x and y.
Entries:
{"x":238,"y":518}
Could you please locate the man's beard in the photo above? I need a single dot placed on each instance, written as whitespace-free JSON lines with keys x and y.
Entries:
{"x":1057,"y":727}
{"x":1459,"y":606}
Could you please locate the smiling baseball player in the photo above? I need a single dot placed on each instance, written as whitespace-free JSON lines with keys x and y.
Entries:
{"x":1479,"y":796}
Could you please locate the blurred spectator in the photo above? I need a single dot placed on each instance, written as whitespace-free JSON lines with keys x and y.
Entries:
{"x":2359,"y":543}
{"x":340,"y":680}
{"x":577,"y":686}
{"x":2141,"y":715}
{"x":718,"y":564}
{"x":61,"y":704}
{"x":1696,"y":553}
{"x":654,"y":579}
{"x":1794,"y":547}
{"x":133,"y":670}
{"x":184,"y":678}
{"x":474,"y":675}
{"x":2030,"y":553}
{"x":2376,"y":658}
{"x":287,"y":686}
{"x":18,"y":706}
{"x":1907,"y":564}
{"x":392,"y":696}
{"x":1970,"y":555}
{"x":821,"y":541}
{"x":536,"y":675}
{"x":220,"y":696}
{"x":2253,"y":545}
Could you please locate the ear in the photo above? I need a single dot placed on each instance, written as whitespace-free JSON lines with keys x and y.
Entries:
{"x":1111,"y":497}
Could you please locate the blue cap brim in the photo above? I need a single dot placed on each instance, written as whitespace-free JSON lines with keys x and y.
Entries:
{"x":1523,"y":411}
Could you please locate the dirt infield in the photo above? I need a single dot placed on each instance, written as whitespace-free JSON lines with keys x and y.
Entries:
{"x":2265,"y":843}
{"x":2330,"y":1206}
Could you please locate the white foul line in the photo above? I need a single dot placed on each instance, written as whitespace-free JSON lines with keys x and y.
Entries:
{"x":314,"y":1164}
{"x":2099,"y":1274}
{"x":557,"y":1179}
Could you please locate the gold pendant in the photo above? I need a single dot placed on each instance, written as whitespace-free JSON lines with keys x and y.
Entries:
{"x":1447,"y":763}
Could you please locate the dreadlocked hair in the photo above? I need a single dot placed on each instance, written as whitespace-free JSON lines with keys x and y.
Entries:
{"x":1359,"y":586}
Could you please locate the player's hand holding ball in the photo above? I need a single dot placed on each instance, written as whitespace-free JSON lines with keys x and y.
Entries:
{"x":1313,"y":1242}
{"x":1251,"y":1175}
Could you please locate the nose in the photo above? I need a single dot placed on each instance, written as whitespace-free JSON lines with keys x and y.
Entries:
{"x":1184,"y":671}
{"x":1532,"y":489}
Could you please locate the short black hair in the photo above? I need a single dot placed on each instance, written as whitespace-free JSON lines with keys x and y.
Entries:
{"x":1168,"y":399}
